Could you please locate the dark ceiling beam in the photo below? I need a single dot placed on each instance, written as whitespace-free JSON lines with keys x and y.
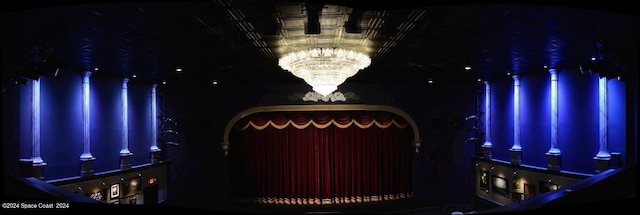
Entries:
{"x":355,"y":19}
{"x":313,"y":17}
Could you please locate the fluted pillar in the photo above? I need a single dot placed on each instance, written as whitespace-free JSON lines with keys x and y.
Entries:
{"x":602,"y":158}
{"x":37,"y":164}
{"x":554,"y":152}
{"x":154,"y":150}
{"x":516,"y":149}
{"x":125,"y":154}
{"x":487,"y":147}
{"x":86,"y":159}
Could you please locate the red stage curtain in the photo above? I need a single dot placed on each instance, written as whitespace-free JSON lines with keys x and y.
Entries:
{"x":321,"y":157}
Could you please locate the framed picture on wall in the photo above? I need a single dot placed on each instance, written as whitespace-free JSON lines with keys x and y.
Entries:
{"x":529,"y":190}
{"x":115,"y":191}
{"x":500,"y":185}
{"x":132,"y":186}
{"x":483,"y":178}
{"x":99,"y":195}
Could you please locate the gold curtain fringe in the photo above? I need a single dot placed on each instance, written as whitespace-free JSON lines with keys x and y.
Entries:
{"x":321,"y":126}
{"x":334,"y":200}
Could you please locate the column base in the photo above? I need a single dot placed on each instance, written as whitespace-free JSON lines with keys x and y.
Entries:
{"x":30,"y":169}
{"x":555,"y":162}
{"x":616,"y":160}
{"x":125,"y":161}
{"x":86,"y":167}
{"x":602,"y":164}
{"x":155,"y":157}
{"x":487,"y":152}
{"x":516,"y":157}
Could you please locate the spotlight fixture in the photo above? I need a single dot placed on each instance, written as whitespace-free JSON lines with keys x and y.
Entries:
{"x":17,"y":81}
{"x":467,"y":67}
{"x":170,"y":132}
{"x":471,"y":117}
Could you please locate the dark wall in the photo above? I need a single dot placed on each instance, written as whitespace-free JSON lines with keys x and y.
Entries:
{"x":578,"y":119}
{"x":442,"y":170}
{"x":61,"y":122}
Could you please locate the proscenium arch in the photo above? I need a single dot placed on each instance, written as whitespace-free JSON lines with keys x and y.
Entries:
{"x":326,"y":107}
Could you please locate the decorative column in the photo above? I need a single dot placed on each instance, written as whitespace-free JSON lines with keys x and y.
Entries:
{"x":125,"y":154}
{"x":603,"y":158}
{"x":554,"y":153}
{"x":487,"y":146}
{"x":516,"y":149}
{"x":35,"y":165}
{"x":86,"y":159}
{"x":154,"y":150}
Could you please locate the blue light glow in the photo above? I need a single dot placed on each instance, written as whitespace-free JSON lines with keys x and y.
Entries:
{"x":154,"y":120}
{"x":86,"y":129}
{"x":125,"y":119}
{"x":554,"y":113}
{"x":516,"y":113}
{"x":487,"y":110}
{"x":35,"y":122}
{"x":603,"y":118}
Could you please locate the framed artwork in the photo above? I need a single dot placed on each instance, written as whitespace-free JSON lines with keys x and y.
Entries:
{"x":484,"y":180}
{"x":115,"y":190}
{"x":99,"y":195}
{"x":132,"y":186}
{"x":500,"y":185}
{"x":545,"y":186}
{"x":529,"y":190}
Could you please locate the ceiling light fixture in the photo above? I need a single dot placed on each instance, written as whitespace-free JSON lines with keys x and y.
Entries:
{"x":324,"y":68}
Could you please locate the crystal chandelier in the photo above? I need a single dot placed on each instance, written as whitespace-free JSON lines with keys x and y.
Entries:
{"x":324,"y":68}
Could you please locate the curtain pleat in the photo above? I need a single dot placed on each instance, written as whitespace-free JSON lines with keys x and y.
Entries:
{"x":321,"y":157}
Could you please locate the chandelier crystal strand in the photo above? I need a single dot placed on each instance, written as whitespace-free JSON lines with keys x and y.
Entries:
{"x":324,"y":69}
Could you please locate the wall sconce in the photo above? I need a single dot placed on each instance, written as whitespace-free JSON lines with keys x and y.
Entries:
{"x":417,"y":145}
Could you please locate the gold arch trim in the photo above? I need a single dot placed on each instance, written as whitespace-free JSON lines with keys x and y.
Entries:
{"x":318,"y":125}
{"x":322,"y":107}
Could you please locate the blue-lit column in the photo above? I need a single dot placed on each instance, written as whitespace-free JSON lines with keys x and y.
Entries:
{"x":155,"y":151}
{"x":516,"y":149}
{"x":603,"y":157}
{"x":554,"y":153}
{"x":86,"y":159}
{"x":125,"y":154}
{"x":37,"y":162}
{"x":487,"y":146}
